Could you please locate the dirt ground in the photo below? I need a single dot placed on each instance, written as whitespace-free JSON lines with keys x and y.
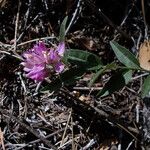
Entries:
{"x":72,"y":117}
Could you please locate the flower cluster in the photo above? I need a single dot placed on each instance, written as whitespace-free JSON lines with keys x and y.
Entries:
{"x":41,"y":61}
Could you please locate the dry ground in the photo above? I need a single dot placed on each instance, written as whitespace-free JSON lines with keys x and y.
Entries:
{"x":71,"y":118}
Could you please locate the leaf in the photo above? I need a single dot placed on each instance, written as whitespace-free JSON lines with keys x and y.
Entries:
{"x":144,"y":55}
{"x":116,"y":82}
{"x":62,"y":30}
{"x":146,"y":87}
{"x":83,"y":59}
{"x":53,"y":86}
{"x":101,"y":71}
{"x":124,"y":55}
{"x":67,"y":78}
{"x":71,"y":76}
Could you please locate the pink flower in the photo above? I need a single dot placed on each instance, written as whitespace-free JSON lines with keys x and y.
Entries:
{"x":61,"y":49}
{"x":41,"y":61}
{"x":55,"y":57}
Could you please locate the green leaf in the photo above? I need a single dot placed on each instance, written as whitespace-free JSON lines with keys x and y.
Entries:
{"x":83,"y":59}
{"x":116,"y":82}
{"x":67,"y":78}
{"x":101,"y":71}
{"x":53,"y":86}
{"x":146,"y":87}
{"x":62,"y":30}
{"x":72,"y":75}
{"x":124,"y":55}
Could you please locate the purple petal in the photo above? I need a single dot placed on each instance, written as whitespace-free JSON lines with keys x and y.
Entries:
{"x":27,"y":66}
{"x":54,"y":57}
{"x":61,"y":49}
{"x":38,"y":73}
{"x":39,"y":48}
{"x":27,"y":54}
{"x":34,"y":58}
{"x":37,"y":77}
{"x":36,"y":69}
{"x":59,"y":67}
{"x":27,"y":69}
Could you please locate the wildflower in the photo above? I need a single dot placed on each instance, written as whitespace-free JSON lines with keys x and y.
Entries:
{"x":41,"y":61}
{"x":55,"y":57}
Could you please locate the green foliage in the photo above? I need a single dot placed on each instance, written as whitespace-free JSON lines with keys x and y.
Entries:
{"x":62,"y":30}
{"x":116,"y":82}
{"x":146,"y":87}
{"x":101,"y":71}
{"x":83,"y":59}
{"x":67,"y":78}
{"x":86,"y":61}
{"x":125,"y":56}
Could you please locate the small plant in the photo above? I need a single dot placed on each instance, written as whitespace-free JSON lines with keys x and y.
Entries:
{"x":41,"y":62}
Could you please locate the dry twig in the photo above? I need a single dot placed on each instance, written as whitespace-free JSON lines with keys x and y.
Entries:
{"x":28,"y":128}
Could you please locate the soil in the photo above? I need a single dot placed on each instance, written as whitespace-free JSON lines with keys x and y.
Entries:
{"x":72,"y":117}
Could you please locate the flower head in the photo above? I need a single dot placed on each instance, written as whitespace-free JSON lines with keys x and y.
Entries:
{"x":41,"y":61}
